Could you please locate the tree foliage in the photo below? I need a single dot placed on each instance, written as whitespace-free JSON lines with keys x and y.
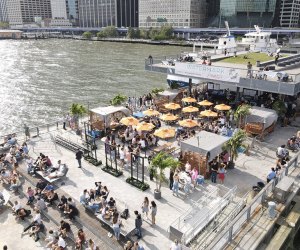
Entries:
{"x":109,"y":31}
{"x":4,"y":25}
{"x":77,"y":110}
{"x":118,"y":99}
{"x":87,"y":35}
{"x":155,"y":91}
{"x":279,"y":107}
{"x":235,"y":142}
{"x":241,"y":112}
{"x":159,"y":164}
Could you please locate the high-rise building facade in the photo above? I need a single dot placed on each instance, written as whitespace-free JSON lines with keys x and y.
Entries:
{"x":178,"y":13}
{"x":3,"y":11}
{"x":22,"y":12}
{"x":246,"y":13}
{"x":289,"y":13}
{"x":97,"y":13}
{"x":127,"y":13}
{"x":72,"y":11}
{"x":59,"y":14}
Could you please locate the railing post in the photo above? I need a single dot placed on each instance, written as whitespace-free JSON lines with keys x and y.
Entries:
{"x":37,"y":131}
{"x":248,"y":213}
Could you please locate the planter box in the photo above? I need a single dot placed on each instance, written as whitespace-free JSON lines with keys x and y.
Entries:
{"x":112,"y":171}
{"x":138,"y":184}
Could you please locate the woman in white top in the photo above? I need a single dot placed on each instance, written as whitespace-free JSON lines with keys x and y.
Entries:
{"x":116,"y":225}
{"x":145,"y":206}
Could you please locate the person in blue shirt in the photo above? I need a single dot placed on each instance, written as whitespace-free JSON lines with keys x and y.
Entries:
{"x":271,"y":175}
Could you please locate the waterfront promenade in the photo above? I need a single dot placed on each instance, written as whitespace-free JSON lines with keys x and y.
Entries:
{"x":249,"y":170}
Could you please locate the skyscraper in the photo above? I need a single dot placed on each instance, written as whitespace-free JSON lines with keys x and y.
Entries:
{"x":289,"y":13}
{"x":97,"y":13}
{"x":3,"y":11}
{"x":246,"y":13}
{"x":72,"y":11}
{"x":22,"y":12}
{"x":59,"y":14}
{"x":178,"y":13}
{"x":127,"y":13}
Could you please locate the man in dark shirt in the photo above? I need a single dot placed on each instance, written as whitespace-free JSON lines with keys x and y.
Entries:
{"x":214,"y":171}
{"x":79,"y":155}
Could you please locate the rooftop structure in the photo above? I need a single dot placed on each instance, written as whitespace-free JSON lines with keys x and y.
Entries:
{"x":289,"y":13}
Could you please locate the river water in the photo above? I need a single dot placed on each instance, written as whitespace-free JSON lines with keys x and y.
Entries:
{"x":40,"y":79}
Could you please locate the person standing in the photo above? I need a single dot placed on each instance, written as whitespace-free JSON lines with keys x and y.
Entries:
{"x":214,"y":171}
{"x":276,"y":59}
{"x":145,"y":207}
{"x":176,"y":184}
{"x":138,"y":224}
{"x":64,"y":122}
{"x":171,"y":179}
{"x":79,"y":155}
{"x":249,"y":69}
{"x":222,"y":173}
{"x":153,"y":211}
{"x":27,"y":133}
{"x":116,"y":226}
{"x":271,"y":175}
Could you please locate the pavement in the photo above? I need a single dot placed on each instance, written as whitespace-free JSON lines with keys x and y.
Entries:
{"x":248,"y":170}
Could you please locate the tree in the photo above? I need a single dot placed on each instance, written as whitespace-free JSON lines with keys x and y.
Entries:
{"x":234,"y":143}
{"x":155,"y":91}
{"x":241,"y":112}
{"x":118,"y":100}
{"x":101,"y":34}
{"x":4,"y":25}
{"x":159,"y":164}
{"x":130,"y":33}
{"x":166,"y":31}
{"x":153,"y":32}
{"x":110,"y":31}
{"x":77,"y":110}
{"x":137,"y":33}
{"x":279,"y":107}
{"x":87,"y":35}
{"x":144,"y":34}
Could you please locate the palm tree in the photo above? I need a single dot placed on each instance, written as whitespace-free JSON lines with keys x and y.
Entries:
{"x":77,"y":110}
{"x":234,"y":143}
{"x":159,"y":164}
{"x":241,"y":112}
{"x":118,"y":99}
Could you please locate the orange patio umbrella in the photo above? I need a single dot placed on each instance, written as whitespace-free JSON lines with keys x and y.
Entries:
{"x":129,"y":121}
{"x":205,"y":103}
{"x":169,"y":117}
{"x":172,"y":106}
{"x":188,"y":123}
{"x":151,"y":112}
{"x":190,"y":109}
{"x":209,"y":113}
{"x":222,"y":107}
{"x":165,"y":133}
{"x":145,"y":126}
{"x":189,"y":100}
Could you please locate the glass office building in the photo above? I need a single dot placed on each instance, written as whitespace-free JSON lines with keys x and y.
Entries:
{"x":245,"y":13}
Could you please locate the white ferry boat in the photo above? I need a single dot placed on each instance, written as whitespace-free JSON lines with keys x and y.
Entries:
{"x":259,"y":41}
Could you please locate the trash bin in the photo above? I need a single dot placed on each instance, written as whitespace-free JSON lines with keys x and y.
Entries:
{"x":257,"y":63}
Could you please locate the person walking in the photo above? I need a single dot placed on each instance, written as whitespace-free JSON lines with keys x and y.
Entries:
{"x":27,"y":133}
{"x":249,"y":70}
{"x":138,"y":225}
{"x":79,"y":155}
{"x":145,"y":207}
{"x":153,"y":211}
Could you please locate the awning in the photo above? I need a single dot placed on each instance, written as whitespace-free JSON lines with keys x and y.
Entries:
{"x":205,"y":143}
{"x":262,"y":115}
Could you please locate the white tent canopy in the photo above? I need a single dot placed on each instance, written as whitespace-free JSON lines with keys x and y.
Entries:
{"x":205,"y":143}
{"x":105,"y":113}
{"x":262,"y":115}
{"x":169,"y":93}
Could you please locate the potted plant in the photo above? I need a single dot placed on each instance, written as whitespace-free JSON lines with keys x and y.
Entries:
{"x":159,"y":164}
{"x":77,"y":110}
{"x":233,"y":145}
{"x":241,"y":112}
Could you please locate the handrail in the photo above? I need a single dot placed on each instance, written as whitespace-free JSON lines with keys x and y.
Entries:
{"x":249,"y":209}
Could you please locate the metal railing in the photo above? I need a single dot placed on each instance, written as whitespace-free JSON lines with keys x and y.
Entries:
{"x":225,"y":237}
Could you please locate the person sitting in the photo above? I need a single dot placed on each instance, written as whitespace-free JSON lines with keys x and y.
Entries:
{"x":36,"y":229}
{"x":15,"y":183}
{"x":51,"y":197}
{"x":64,"y":228}
{"x":271,"y":175}
{"x":84,"y":197}
{"x":16,"y":207}
{"x":61,"y":171}
{"x":22,"y":213}
{"x":81,"y":239}
{"x":52,"y":239}
{"x":70,"y":211}
{"x":5,"y":175}
{"x":40,"y":204}
{"x":282,"y":152}
{"x":111,"y":203}
{"x":62,"y":202}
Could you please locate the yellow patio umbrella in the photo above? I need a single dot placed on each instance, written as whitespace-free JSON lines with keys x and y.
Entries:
{"x":190,"y":109}
{"x":169,"y":117}
{"x":189,"y":100}
{"x":165,"y":133}
{"x":129,"y":121}
{"x":151,"y":112}
{"x":205,"y":103}
{"x":145,"y":126}
{"x":172,"y":106}
{"x":188,"y":123}
{"x":209,"y":113}
{"x":222,"y":107}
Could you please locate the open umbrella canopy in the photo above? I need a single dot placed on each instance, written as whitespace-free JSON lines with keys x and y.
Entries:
{"x":151,"y":112}
{"x":145,"y":126}
{"x":190,"y":109}
{"x":129,"y":121}
{"x":169,"y":117}
{"x":189,"y":100}
{"x":222,"y":107}
{"x":188,"y":123}
{"x":172,"y":106}
{"x":209,"y":113}
{"x":205,"y":103}
{"x":165,"y":133}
